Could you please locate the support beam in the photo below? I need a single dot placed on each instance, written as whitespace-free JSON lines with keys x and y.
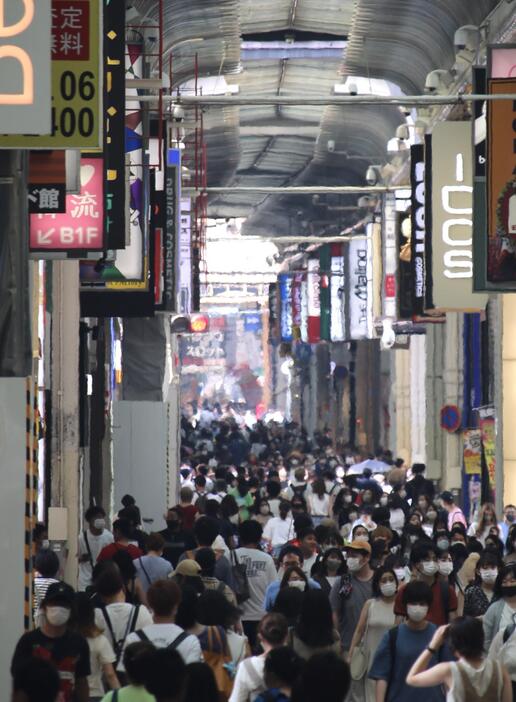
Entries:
{"x":292,"y":189}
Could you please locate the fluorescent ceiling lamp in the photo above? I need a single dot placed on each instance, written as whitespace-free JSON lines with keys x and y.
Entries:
{"x":367,"y":86}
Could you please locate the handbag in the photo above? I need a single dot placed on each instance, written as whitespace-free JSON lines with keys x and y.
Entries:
{"x":240,"y":581}
{"x":359,"y":662}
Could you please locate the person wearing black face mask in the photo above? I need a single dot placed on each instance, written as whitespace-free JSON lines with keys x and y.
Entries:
{"x":501,"y":615}
{"x":177,"y":541}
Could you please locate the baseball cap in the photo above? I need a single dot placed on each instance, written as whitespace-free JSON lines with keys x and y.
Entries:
{"x":359,"y":546}
{"x":447,"y":496}
{"x":60,"y":592}
{"x":188,"y":567}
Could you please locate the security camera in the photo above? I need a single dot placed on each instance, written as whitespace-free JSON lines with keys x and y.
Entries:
{"x":330,"y":145}
{"x":438,"y":81}
{"x":388,"y":338}
{"x":403,"y":132}
{"x":352,"y":89}
{"x":467,"y":37}
{"x":371,"y":176}
{"x":178,"y":113}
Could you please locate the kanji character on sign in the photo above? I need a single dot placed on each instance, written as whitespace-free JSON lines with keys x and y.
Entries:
{"x":48,"y":199}
{"x":70,"y":43}
{"x":85,"y":206}
{"x":71,"y":17}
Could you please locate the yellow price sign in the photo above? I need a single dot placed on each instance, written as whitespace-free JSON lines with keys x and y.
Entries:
{"x":76,"y":113}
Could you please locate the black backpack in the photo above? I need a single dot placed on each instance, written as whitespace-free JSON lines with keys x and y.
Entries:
{"x":172,"y":646}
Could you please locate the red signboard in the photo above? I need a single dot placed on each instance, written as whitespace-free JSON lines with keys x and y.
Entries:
{"x":390,"y":285}
{"x":81,"y":226}
{"x":70,"y":30}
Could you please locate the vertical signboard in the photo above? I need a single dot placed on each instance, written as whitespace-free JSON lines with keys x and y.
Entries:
{"x":418,"y":241}
{"x":25,"y":76}
{"x":80,"y":228}
{"x":114,"y":124}
{"x":325,"y":293}
{"x":360,"y":289}
{"x":185,"y":258}
{"x":273,"y":311}
{"x":170,"y":265}
{"x":313,"y":301}
{"x":452,"y":224}
{"x":296,"y":305}
{"x":76,"y":84}
{"x":285,"y":292}
{"x":390,"y":256}
{"x":304,"y":310}
{"x":337,"y":293}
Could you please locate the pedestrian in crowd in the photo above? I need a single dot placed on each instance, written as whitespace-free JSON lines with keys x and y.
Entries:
{"x":419,"y":485}
{"x":152,"y":566}
{"x":486,"y":523}
{"x":400,"y":647}
{"x":207,"y":560}
{"x":307,"y":540}
{"x":314,"y":632}
{"x":323,"y":674}
{"x":319,"y":502}
{"x":330,"y":566}
{"x":509,"y":516}
{"x":53,"y":641}
{"x":122,"y":532}
{"x":47,"y":568}
{"x":294,"y":577}
{"x":282,"y":668}
{"x":501,"y":613}
{"x":279,"y":530}
{"x":249,"y":680}
{"x":35,"y":680}
{"x":188,"y":572}
{"x":102,"y":656}
{"x":376,"y":618}
{"x":213,"y":609}
{"x":260,"y":573}
{"x":289,"y":556}
{"x":133,"y":588}
{"x":200,"y":684}
{"x":165,"y":677}
{"x":91,"y":542}
{"x":188,"y":510}
{"x":164,"y":597}
{"x":177,"y":540}
{"x":455,"y":514}
{"x":479,"y":594}
{"x":472,"y":677}
{"x":262,"y":511}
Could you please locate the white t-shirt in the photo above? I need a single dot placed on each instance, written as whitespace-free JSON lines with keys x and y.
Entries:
{"x":121,"y":616}
{"x":162,"y":635}
{"x":278,"y":531}
{"x":248,"y":685}
{"x":101,"y":652}
{"x":96,"y":544}
{"x":237,"y":646}
{"x":261,"y":572}
{"x":320,"y":507}
{"x":308,"y":563}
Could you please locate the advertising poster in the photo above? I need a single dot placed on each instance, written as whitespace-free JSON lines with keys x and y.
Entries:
{"x":313,"y":301}
{"x":488,"y":435}
{"x":472,"y":452}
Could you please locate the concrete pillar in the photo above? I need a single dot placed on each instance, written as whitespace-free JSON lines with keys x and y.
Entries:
{"x":507,"y":400}
{"x":402,"y":439}
{"x":65,"y":403}
{"x":418,"y":398}
{"x":434,"y":398}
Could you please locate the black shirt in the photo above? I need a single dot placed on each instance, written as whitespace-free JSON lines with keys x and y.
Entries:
{"x":176,"y":543}
{"x":69,"y":654}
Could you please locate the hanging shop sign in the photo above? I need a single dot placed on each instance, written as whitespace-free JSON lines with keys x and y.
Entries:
{"x":170,"y":265}
{"x":337,"y":292}
{"x":25,"y":44}
{"x":296,"y":305}
{"x":419,"y":230}
{"x":273,"y":311}
{"x":304,"y":310}
{"x":114,"y":125}
{"x":472,"y":452}
{"x":80,"y":228}
{"x":488,"y":434}
{"x":405,"y":285}
{"x":185,"y":257}
{"x":325,"y":291}
{"x":253,"y":322}
{"x":46,"y":192}
{"x":452,"y":224}
{"x":313,"y":301}
{"x":360,"y":289}
{"x":390,"y":256}
{"x":285,"y":292}
{"x":450,"y":418}
{"x":76,"y":84}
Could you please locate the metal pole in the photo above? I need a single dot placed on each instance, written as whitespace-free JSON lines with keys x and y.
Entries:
{"x":407,"y":101}
{"x":293,"y":189}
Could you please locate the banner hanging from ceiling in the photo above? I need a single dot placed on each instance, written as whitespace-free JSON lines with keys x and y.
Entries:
{"x":337,"y":294}
{"x":452,"y":225}
{"x":313,"y":300}
{"x":419,"y":231}
{"x":390,"y":256}
{"x":285,"y":293}
{"x":360,"y":295}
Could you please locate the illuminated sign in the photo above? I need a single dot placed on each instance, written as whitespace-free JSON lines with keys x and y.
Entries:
{"x":337,"y":290}
{"x":80,"y":228}
{"x":25,"y":66}
{"x":417,"y":179}
{"x":360,"y":289}
{"x":199,"y":323}
{"x":313,"y":301}
{"x":390,"y":256}
{"x":285,"y":289}
{"x":75,"y":48}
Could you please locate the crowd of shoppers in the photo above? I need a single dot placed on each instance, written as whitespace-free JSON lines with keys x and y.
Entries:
{"x":281,"y":575}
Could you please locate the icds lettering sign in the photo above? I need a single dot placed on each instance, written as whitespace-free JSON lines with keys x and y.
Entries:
{"x":25,"y":66}
{"x":80,"y":228}
{"x":74,"y":119}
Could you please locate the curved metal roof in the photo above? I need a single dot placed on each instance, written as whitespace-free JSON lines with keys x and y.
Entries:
{"x":259,"y":16}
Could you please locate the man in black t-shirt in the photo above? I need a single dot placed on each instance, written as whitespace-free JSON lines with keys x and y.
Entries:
{"x":67,"y":651}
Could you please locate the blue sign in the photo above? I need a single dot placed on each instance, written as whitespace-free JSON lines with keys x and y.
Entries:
{"x":253,"y":322}
{"x":285,"y":289}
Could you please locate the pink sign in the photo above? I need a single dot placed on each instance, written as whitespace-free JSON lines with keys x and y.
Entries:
{"x":503,"y":62}
{"x":81,"y":227}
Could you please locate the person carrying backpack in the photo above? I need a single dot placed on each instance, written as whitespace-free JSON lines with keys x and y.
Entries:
{"x":164,"y":597}
{"x":136,"y":661}
{"x":472,"y":678}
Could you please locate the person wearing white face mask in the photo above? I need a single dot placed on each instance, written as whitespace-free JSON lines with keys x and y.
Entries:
{"x":66,"y":650}
{"x":349,"y":594}
{"x":376,"y":618}
{"x":91,"y":542}
{"x":479,"y":594}
{"x":424,"y":566}
{"x":400,"y":647}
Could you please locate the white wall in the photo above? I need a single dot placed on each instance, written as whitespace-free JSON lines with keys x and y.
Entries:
{"x":12,"y":523}
{"x":145,"y":457}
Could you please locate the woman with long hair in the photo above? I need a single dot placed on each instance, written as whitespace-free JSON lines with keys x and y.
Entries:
{"x":134,"y":591}
{"x":294,"y":577}
{"x":102,"y":655}
{"x":485,"y":521}
{"x":376,"y":618}
{"x":314,"y":631}
{"x":328,"y":568}
{"x":500,"y":613}
{"x":479,"y":594}
{"x":319,"y":502}
{"x":200,"y":684}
